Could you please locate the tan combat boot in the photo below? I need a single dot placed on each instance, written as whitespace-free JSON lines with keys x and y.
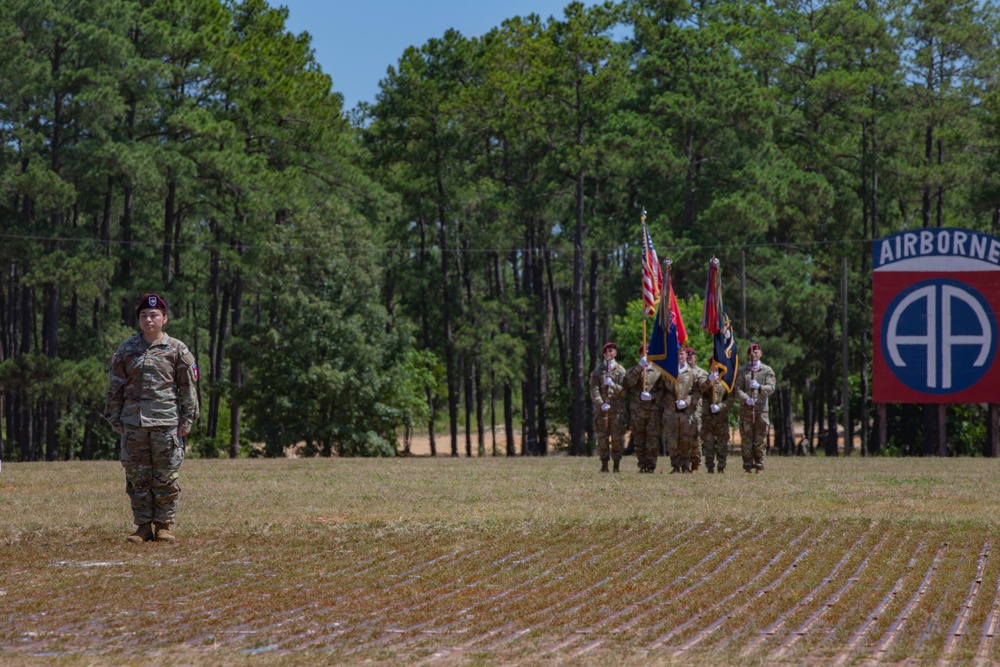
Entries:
{"x":163,"y":533}
{"x":143,"y":533}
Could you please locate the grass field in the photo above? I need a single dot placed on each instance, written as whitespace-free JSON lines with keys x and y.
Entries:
{"x":514,"y":561}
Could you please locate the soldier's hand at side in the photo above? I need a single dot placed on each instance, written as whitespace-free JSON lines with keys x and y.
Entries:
{"x":714,"y":408}
{"x":605,"y":407}
{"x":119,"y":430}
{"x":182,"y":432}
{"x":608,"y":382}
{"x":713,"y":377}
{"x":751,"y":401}
{"x":754,"y":384}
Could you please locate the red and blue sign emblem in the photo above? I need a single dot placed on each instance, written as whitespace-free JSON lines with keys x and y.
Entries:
{"x":935,"y":300}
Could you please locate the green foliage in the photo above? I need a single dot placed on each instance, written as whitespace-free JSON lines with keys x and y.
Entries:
{"x":481,"y":220}
{"x":627,"y":330}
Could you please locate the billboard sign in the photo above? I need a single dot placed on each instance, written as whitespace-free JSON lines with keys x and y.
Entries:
{"x":935,"y":306}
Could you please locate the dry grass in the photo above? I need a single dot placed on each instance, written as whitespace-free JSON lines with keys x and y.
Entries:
{"x":522,"y":561}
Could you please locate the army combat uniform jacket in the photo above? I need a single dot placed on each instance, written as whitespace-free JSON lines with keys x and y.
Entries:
{"x":152,"y":385}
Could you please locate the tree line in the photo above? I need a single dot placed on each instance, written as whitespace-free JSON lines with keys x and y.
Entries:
{"x":452,"y":255}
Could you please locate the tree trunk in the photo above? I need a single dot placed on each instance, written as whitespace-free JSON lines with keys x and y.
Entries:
{"x":235,"y":371}
{"x":469,"y":372}
{"x":480,"y":424}
{"x":168,"y":230}
{"x":577,"y":339}
{"x":125,"y":261}
{"x":845,"y":399}
{"x":447,"y":324}
{"x":554,"y":300}
{"x":50,"y":342}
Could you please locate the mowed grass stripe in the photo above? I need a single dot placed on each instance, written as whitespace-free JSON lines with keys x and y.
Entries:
{"x":990,"y":628}
{"x":291,"y":588}
{"x":544,"y":559}
{"x":868,"y":626}
{"x":662,"y":609}
{"x":894,"y":631}
{"x":454,"y":619}
{"x":365,"y":613}
{"x":752,"y":645}
{"x":828,"y":605}
{"x":735,"y":603}
{"x":542,"y":608}
{"x":958,"y":628}
{"x":541,"y":619}
{"x":505,"y":596}
{"x":832,"y":618}
{"x":744,"y":608}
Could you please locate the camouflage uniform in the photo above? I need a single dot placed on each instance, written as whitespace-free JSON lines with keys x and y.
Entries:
{"x":680,"y":425}
{"x":715,"y":425}
{"x":700,"y":376}
{"x":646,"y":414}
{"x":609,"y":427}
{"x":152,"y":394}
{"x":753,"y":418}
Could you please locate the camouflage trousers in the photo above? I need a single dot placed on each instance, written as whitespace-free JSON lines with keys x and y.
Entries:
{"x":681,"y":431}
{"x":753,"y":435}
{"x":715,"y":439}
{"x":646,"y":436}
{"x":152,"y":458}
{"x":610,"y":438}
{"x":696,"y":447}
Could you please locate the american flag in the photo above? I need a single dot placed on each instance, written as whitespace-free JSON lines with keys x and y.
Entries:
{"x":652,"y":275}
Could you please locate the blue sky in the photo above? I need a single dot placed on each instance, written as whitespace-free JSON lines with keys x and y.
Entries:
{"x":356,"y":40}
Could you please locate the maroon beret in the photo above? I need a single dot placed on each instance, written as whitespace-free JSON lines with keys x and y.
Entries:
{"x":151,"y":301}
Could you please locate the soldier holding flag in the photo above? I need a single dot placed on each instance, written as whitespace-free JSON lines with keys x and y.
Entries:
{"x":647,"y":388}
{"x":670,"y":359}
{"x":717,"y":387}
{"x":680,"y":416}
{"x":716,"y":405}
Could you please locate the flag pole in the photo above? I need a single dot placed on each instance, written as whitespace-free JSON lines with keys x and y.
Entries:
{"x":642,"y":219}
{"x":645,"y":316}
{"x":714,"y":262}
{"x":668,"y":288}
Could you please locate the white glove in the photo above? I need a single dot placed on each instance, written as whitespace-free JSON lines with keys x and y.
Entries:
{"x":605,"y":407}
{"x":645,"y":396}
{"x":712,"y":377}
{"x":750,"y":401}
{"x":714,"y":408}
{"x":608,"y":382}
{"x":643,"y":363}
{"x":681,"y":405}
{"x":754,"y":384}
